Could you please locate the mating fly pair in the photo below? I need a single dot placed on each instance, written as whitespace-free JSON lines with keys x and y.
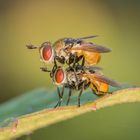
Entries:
{"x":71,"y":51}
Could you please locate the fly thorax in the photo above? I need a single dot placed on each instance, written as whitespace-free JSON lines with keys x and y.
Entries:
{"x":63,"y":53}
{"x":76,"y":50}
{"x":72,"y":79}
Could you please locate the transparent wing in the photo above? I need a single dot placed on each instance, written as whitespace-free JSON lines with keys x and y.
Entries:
{"x":91,"y":48}
{"x":102,"y":78}
{"x":87,"y":37}
{"x":92,"y":68}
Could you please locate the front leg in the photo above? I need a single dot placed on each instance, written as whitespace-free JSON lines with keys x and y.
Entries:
{"x":30,"y":46}
{"x":55,"y":63}
{"x":60,"y":95}
{"x":60,"y":59}
{"x":44,"y":69}
{"x":54,"y":67}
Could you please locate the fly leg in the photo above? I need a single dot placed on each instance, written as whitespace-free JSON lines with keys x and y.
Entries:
{"x":81,"y":91}
{"x":54,"y":67}
{"x":104,"y":93}
{"x":83,"y":61}
{"x":60,"y":59}
{"x":44,"y":69}
{"x":62,"y":92}
{"x":60,"y":95}
{"x":30,"y":46}
{"x":74,"y":61}
{"x":95,"y":90}
{"x":69,"y":96}
{"x":99,"y":93}
{"x":96,"y":93}
{"x":55,"y":63}
{"x":77,"y":82}
{"x":69,"y":61}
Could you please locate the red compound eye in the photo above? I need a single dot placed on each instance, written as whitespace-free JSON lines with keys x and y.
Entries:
{"x":46,"y":52}
{"x":59,"y":76}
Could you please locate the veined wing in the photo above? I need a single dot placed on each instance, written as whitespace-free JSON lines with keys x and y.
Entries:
{"x":92,"y":68}
{"x":106,"y":80}
{"x":102,"y":78}
{"x":91,"y":48}
{"x":87,"y":37}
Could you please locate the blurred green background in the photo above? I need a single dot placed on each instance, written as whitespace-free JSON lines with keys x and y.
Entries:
{"x":117,"y":22}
